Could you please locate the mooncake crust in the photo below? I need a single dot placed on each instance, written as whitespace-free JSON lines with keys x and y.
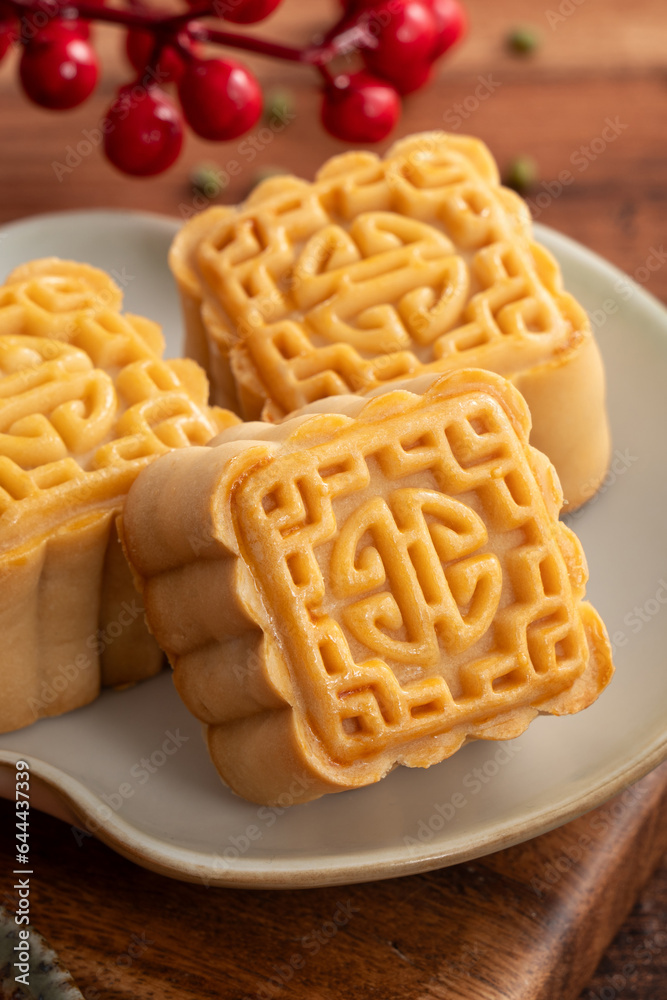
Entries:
{"x":365,"y":587}
{"x":81,"y":413}
{"x":382,"y":269}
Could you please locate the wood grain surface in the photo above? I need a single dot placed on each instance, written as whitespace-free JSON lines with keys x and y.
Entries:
{"x":479,"y":930}
{"x":528,"y":923}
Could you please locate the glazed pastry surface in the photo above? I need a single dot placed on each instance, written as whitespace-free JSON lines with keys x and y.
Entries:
{"x":385,"y":268}
{"x":371,"y":582}
{"x":86,"y":402}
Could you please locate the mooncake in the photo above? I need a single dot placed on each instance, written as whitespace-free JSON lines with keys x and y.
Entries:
{"x":371,"y":582}
{"x":386,"y":268}
{"x":81,"y":413}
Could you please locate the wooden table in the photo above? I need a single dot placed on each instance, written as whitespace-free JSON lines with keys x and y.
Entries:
{"x":591,"y":102}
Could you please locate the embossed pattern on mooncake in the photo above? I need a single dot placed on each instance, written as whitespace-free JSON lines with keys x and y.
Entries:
{"x":382,"y":583}
{"x":78,"y":304}
{"x":76,"y":427}
{"x":382,"y":269}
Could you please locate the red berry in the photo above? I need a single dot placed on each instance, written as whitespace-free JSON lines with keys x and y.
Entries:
{"x":220,"y":98}
{"x":360,"y":108}
{"x":38,"y":25}
{"x":406,"y":38}
{"x":451,"y":23}
{"x":412,"y":77}
{"x":8,"y":28}
{"x":74,"y":25}
{"x":58,"y":69}
{"x":140,"y":45}
{"x":78,"y":27}
{"x":244,"y":11}
{"x":356,"y":6}
{"x":7,"y":36}
{"x":144,"y":132}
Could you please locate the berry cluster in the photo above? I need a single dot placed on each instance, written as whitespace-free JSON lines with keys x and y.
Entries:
{"x":378,"y":51}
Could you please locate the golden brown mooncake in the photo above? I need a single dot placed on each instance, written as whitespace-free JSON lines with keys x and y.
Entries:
{"x":365,"y":587}
{"x":76,"y":427}
{"x":386,"y":268}
{"x":79,"y":304}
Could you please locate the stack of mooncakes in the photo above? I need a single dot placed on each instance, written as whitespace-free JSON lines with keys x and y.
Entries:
{"x":85,"y":403}
{"x":370,"y":571}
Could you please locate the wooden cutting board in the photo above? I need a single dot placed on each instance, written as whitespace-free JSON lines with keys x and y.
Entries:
{"x":555,"y":903}
{"x":528,"y":923}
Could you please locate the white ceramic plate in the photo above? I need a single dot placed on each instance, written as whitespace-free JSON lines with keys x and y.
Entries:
{"x":132,"y":769}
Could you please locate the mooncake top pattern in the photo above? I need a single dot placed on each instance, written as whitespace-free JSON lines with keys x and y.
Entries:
{"x":392,"y":580}
{"x":379,"y":269}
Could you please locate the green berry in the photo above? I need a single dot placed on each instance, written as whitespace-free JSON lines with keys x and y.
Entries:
{"x":208,"y":179}
{"x":523,"y":40}
{"x":521,"y":174}
{"x":279,"y":104}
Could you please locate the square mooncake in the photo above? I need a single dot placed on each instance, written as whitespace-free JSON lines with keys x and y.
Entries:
{"x":370,"y":583}
{"x":80,"y":416}
{"x":382,"y":269}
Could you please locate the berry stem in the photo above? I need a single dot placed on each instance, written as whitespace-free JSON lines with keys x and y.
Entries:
{"x":352,"y":39}
{"x":251,"y":43}
{"x":356,"y":37}
{"x":136,"y":18}
{"x":353,"y":36}
{"x":395,"y":43}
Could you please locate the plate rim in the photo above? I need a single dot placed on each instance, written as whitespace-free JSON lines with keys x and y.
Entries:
{"x":188,"y":865}
{"x":81,"y":806}
{"x":122,"y":213}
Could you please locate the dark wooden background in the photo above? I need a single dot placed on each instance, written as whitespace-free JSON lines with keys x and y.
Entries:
{"x":599,"y":60}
